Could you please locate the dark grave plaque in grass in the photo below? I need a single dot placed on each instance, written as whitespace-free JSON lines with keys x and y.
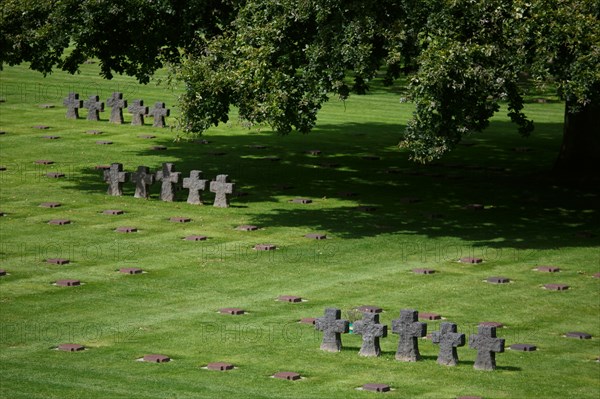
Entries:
{"x":247,"y":227}
{"x":57,"y":261}
{"x":314,"y":152}
{"x":2,"y":272}
{"x":469,"y":259}
{"x":283,"y":186}
{"x":70,"y":347}
{"x":371,"y":331}
{"x":289,"y":298}
{"x":369,"y":309}
{"x":491,"y":324}
{"x":159,"y":148}
{"x":125,"y":229}
{"x":220,"y":366}
{"x":180,"y":220}
{"x":265,"y":247}
{"x":498,"y":280}
{"x":429,"y":316}
{"x":271,"y":159}
{"x":347,"y":194}
{"x":2,"y":168}
{"x":155,"y":358}
{"x":423,"y":271}
{"x":301,"y":201}
{"x":104,"y":142}
{"x":55,"y":175}
{"x":370,"y":157}
{"x":547,"y":269}
{"x":258,"y":146}
{"x":578,"y":335}
{"x":113,"y":212}
{"x":475,"y":207}
{"x":41,"y":127}
{"x":131,"y":270}
{"x":196,"y":238}
{"x":376,"y":387}
{"x":217,"y":153}
{"x":410,"y":330}
{"x":44,"y":162}
{"x":50,"y":204}
{"x":330,"y":165}
{"x":287,"y":375}
{"x":232,"y":311}
{"x":202,"y":141}
{"x":94,"y":132}
{"x":487,"y":345}
{"x":365,"y":208}
{"x":523,"y":347}
{"x":2,"y":214}
{"x":556,"y":287}
{"x":585,"y":234}
{"x":308,"y":320}
{"x":522,"y":149}
{"x":596,"y":275}
{"x":59,"y":222}
{"x":147,"y":136}
{"x":68,"y":283}
{"x":316,"y":236}
{"x":50,"y":137}
{"x":2,"y":132}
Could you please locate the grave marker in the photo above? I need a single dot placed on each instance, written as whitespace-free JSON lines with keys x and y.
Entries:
{"x":523,"y":347}
{"x":115,"y":177}
{"x":143,"y":179}
{"x":287,"y":375}
{"x":70,"y":347}
{"x":578,"y":335}
{"x":94,"y":107}
{"x":159,"y":112}
{"x":68,"y":283}
{"x":409,"y":329}
{"x":117,"y":104}
{"x":487,"y":345}
{"x":195,"y":184}
{"x":221,"y":187}
{"x":332,"y":327}
{"x":156,"y":358}
{"x":73,"y":103}
{"x":370,"y":330}
{"x":219,"y":366}
{"x":137,"y":110}
{"x":448,"y":339}
{"x":169,"y":178}
{"x":376,"y":387}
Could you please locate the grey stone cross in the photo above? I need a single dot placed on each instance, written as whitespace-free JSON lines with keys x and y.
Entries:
{"x":409,"y":329}
{"x":487,"y":346}
{"x":195,"y":184}
{"x":448,"y":340}
{"x":168,"y":178}
{"x":159,"y":112}
{"x":73,"y":103}
{"x":332,"y":327}
{"x":137,"y":110}
{"x":115,"y":177}
{"x":371,"y":331}
{"x":221,"y":187}
{"x":117,"y":104}
{"x":142,"y":179}
{"x":94,"y":107}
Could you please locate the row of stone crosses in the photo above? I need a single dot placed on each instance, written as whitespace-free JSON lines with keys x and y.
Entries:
{"x":410,"y":329}
{"x":117,"y":103}
{"x":143,"y":178}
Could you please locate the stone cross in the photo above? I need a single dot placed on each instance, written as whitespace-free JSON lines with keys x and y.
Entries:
{"x":73,"y":103}
{"x":142,"y":179}
{"x":94,"y":106}
{"x":371,"y":331}
{"x":115,"y":177}
{"x":221,"y":188}
{"x":332,"y":327}
{"x":195,"y":184}
{"x":117,"y":104}
{"x":137,"y":110}
{"x":410,"y":330}
{"x":168,"y":178}
{"x":449,"y":340}
{"x":159,"y":112}
{"x":487,"y":345}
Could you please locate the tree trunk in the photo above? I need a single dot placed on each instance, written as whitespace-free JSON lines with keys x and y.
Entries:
{"x":580,"y":150}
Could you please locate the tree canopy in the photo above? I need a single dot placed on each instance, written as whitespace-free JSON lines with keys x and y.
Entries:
{"x":279,"y":61}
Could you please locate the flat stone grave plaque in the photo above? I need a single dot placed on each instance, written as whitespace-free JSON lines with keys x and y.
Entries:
{"x":2,"y":168}
{"x":113,"y":212}
{"x":376,"y":387}
{"x":265,"y":247}
{"x":258,"y":146}
{"x":55,"y":175}
{"x":156,"y":358}
{"x":498,"y":280}
{"x":50,"y":204}
{"x":301,"y":201}
{"x":308,"y":320}
{"x":272,"y":159}
{"x":347,"y":194}
{"x":596,"y":275}
{"x":159,"y":148}
{"x":578,"y":335}
{"x":195,"y":238}
{"x":330,"y":165}
{"x":369,"y":309}
{"x":202,"y":141}
{"x":59,"y":222}
{"x":126,"y":229}
{"x":51,"y":137}
{"x":217,"y":153}
{"x":180,"y":220}
{"x":547,"y":269}
{"x":429,"y":316}
{"x":289,"y":298}
{"x":44,"y":162}
{"x":2,"y":272}
{"x":470,"y":260}
{"x":523,"y":347}
{"x":475,"y":207}
{"x":556,"y":287}
{"x":287,"y":375}
{"x":147,"y":136}
{"x":247,"y":228}
{"x":220,"y":366}
{"x":104,"y":142}
{"x":423,"y":271}
{"x":232,"y":311}
{"x":316,"y":236}
{"x":364,"y":208}
{"x":131,"y":270}
{"x":57,"y":261}
{"x":70,"y":347}
{"x":491,"y":324}
{"x":585,"y":234}
{"x":94,"y":132}
{"x":522,"y":149}
{"x":68,"y":283}
{"x":314,"y":152}
{"x":41,"y":127}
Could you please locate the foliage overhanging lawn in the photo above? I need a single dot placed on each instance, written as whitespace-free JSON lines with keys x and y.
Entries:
{"x":172,"y":309}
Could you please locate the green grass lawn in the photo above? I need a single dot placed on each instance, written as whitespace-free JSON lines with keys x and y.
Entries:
{"x":530,"y":220}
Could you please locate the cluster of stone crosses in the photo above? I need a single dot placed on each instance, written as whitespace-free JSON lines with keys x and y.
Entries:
{"x":143,"y":178}
{"x":117,"y":103}
{"x":410,"y":329}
